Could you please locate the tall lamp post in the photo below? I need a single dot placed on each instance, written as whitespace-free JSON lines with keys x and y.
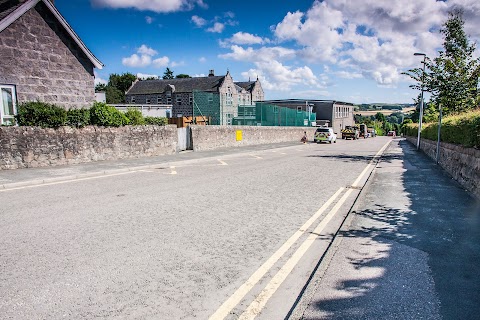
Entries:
{"x":421,"y":99}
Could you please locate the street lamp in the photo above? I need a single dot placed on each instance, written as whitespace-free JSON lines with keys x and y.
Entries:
{"x":421,"y":99}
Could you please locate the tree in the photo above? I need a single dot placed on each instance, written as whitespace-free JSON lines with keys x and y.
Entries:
{"x":182,"y":76}
{"x":117,"y":86}
{"x":100,"y":87}
{"x":452,"y":77}
{"x":380,"y":117}
{"x":168,"y":74}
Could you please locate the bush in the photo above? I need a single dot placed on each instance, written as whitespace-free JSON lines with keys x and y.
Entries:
{"x":135,"y":117}
{"x":159,"y":121}
{"x":462,"y":129}
{"x":78,"y":118}
{"x":107,"y":116}
{"x":41,"y":114}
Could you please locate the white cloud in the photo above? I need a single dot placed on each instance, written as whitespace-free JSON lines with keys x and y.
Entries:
{"x":146,"y":76}
{"x":151,"y":5}
{"x":98,"y":79}
{"x":348,"y":75}
{"x":146,"y":50}
{"x":137,"y":61}
{"x":161,"y":62}
{"x":217,"y":27}
{"x":198,"y":21}
{"x":144,"y":58}
{"x":246,"y":38}
{"x":149,"y":19}
{"x":202,"y":60}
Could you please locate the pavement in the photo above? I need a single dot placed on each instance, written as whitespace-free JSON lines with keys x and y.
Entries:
{"x":42,"y":175}
{"x":408,"y":250}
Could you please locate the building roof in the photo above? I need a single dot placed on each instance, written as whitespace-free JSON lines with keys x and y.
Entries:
{"x":182,"y":85}
{"x":302,"y":101}
{"x":11,"y":10}
{"x":246,"y":85}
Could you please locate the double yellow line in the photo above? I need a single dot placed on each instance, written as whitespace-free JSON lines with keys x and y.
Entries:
{"x":261,"y":299}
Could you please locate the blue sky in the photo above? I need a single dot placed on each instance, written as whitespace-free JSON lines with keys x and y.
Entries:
{"x":346,"y":50}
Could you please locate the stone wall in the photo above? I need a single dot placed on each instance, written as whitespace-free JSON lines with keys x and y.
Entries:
{"x":26,"y":147}
{"x":215,"y":137}
{"x":45,"y":64}
{"x":463,"y":164}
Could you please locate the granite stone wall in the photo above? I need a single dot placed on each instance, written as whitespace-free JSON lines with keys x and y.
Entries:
{"x":27,"y":147}
{"x":40,"y":58}
{"x":463,"y":164}
{"x":215,"y":137}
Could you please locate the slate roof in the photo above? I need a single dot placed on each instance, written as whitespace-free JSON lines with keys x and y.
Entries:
{"x":183,"y":85}
{"x":246,"y":85}
{"x":11,"y":10}
{"x":8,"y":6}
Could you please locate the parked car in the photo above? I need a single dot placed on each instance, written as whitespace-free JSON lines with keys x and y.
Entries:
{"x":325,"y":135}
{"x":391,"y":134}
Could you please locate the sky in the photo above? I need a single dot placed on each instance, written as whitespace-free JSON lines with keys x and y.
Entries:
{"x":346,"y":50}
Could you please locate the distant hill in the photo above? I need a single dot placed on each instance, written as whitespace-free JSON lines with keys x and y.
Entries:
{"x":383,"y":106}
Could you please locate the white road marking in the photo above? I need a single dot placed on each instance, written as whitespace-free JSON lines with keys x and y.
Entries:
{"x":223,"y":163}
{"x":257,"y":157}
{"x":66,"y":181}
{"x":172,"y":170}
{"x":261,"y":300}
{"x":238,"y":295}
{"x":370,"y":164}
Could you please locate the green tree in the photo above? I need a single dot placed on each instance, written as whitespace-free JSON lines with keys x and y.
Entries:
{"x":452,"y":77}
{"x":380,"y":117}
{"x":182,"y":76}
{"x":117,"y":86}
{"x":168,"y":74}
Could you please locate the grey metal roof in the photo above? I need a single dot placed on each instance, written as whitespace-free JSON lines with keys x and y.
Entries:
{"x":183,"y":85}
{"x":8,"y":6}
{"x":246,"y":85}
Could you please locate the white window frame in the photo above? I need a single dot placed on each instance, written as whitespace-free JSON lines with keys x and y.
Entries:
{"x":132,"y":99}
{"x":147,"y":101}
{"x":8,"y":119}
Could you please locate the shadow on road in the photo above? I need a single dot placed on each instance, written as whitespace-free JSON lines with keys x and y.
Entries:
{"x":414,"y":224}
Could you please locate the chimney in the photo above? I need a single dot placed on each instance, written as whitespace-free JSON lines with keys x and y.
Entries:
{"x":211,"y":73}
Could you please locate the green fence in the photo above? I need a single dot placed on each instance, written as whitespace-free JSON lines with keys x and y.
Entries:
{"x":207,"y":104}
{"x":272,"y":115}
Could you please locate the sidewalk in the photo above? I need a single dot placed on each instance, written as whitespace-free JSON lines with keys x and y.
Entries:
{"x":33,"y":176}
{"x":409,"y":250}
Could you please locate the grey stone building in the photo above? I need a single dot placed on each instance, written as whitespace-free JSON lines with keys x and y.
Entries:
{"x":335,"y":114}
{"x":180,"y":93}
{"x":42,"y":58}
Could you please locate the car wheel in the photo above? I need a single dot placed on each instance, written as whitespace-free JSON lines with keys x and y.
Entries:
{"x":335,"y":141}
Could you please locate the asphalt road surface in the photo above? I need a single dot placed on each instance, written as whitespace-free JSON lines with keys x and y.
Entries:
{"x":235,"y":236}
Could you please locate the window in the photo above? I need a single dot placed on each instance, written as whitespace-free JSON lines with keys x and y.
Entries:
{"x":299,"y":109}
{"x":178,"y":100}
{"x":132,"y":99}
{"x":147,"y":101}
{"x":190,"y":100}
{"x":169,"y":97}
{"x":159,"y":100}
{"x":7,"y":105}
{"x":275,"y":109}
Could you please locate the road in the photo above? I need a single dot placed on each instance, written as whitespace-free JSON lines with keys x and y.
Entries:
{"x":232,"y":236}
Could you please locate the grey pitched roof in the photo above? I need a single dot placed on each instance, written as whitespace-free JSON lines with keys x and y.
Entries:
{"x":208,"y":84}
{"x":11,"y":10}
{"x":246,"y":85}
{"x":8,"y":6}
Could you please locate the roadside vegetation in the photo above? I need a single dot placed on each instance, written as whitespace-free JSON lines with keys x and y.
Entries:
{"x":452,"y":79}
{"x":47,"y":115}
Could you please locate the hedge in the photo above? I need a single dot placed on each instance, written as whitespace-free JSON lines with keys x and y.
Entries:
{"x":462,"y":129}
{"x":47,"y":115}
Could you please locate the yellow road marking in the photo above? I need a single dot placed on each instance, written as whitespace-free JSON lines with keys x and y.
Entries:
{"x":261,"y":300}
{"x":238,"y":295}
